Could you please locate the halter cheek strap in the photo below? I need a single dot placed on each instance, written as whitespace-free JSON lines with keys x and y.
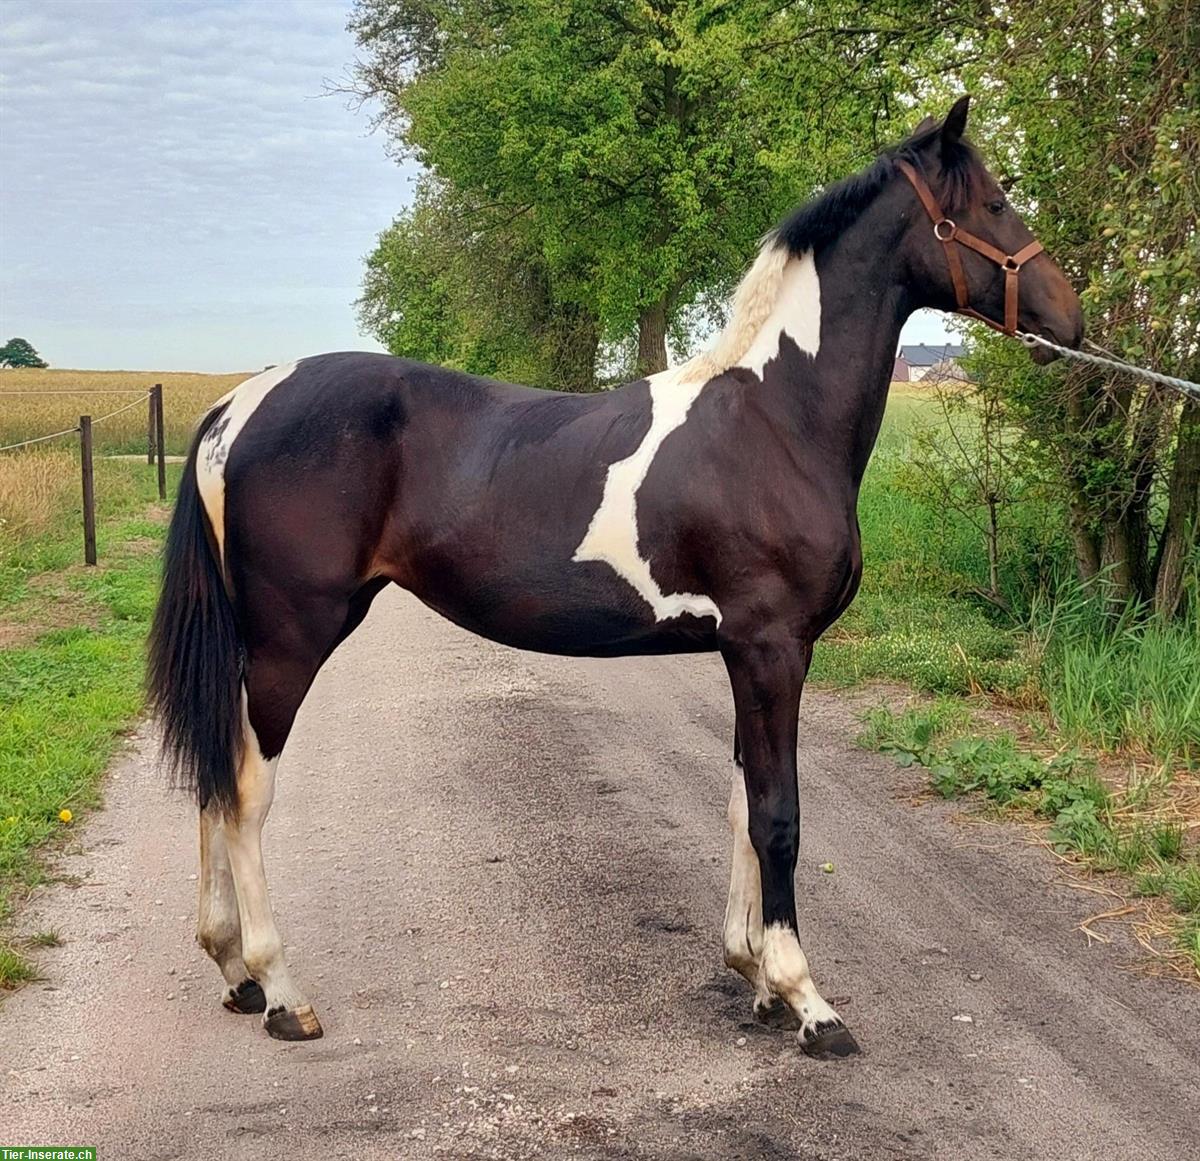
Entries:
{"x":946,"y":232}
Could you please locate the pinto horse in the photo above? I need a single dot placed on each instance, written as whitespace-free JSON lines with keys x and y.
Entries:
{"x":708,"y":507}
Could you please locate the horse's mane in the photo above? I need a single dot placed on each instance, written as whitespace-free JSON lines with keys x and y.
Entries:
{"x":818,"y":222}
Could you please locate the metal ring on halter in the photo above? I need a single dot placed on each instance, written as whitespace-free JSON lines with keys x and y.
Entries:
{"x":1010,"y":263}
{"x":945,"y":237}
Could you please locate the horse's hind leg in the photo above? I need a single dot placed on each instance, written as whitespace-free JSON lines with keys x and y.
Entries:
{"x":286,"y":646}
{"x":219,"y":930}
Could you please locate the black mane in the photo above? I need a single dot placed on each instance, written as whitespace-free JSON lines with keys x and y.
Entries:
{"x":838,"y":207}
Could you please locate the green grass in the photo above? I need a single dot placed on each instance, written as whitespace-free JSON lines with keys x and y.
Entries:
{"x":1133,"y":684}
{"x":1085,"y":814}
{"x":918,"y":618}
{"x":69,"y":693}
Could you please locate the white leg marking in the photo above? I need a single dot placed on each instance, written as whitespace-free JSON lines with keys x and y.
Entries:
{"x":612,"y":536}
{"x":262,"y":949}
{"x":797,"y":312}
{"x":743,"y":912}
{"x":214,"y":447}
{"x":784,"y":972}
{"x":219,"y":930}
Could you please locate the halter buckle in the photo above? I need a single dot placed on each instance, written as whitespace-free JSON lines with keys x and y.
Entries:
{"x":947,"y":237}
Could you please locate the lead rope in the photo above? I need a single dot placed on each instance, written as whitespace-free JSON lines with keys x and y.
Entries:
{"x":1190,"y":389}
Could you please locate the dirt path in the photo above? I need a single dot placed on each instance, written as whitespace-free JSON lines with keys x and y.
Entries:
{"x":502,"y":878}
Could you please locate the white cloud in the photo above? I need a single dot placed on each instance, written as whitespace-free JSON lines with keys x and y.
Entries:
{"x":176,"y":191}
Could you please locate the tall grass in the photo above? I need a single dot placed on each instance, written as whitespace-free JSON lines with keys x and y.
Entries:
{"x":1132,"y":684}
{"x":1128,"y":683}
{"x":35,"y":486}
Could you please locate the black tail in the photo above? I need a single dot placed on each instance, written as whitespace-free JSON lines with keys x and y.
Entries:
{"x":194,"y":670}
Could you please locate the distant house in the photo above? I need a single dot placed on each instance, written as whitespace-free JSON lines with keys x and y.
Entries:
{"x":900,"y":370}
{"x":942,"y":361}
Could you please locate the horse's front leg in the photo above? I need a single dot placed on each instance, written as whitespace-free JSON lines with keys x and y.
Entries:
{"x":766,"y":671}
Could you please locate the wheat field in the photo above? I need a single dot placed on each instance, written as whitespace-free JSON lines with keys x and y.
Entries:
{"x":39,"y":485}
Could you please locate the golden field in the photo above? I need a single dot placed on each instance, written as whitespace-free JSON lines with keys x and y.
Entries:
{"x":40,"y":484}
{"x":185,"y":396}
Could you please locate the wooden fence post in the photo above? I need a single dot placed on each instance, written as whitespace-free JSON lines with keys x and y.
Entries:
{"x":151,"y":428}
{"x":161,"y":441}
{"x":89,"y":490}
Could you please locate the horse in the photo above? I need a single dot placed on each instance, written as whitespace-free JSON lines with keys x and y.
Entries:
{"x":710,"y":507}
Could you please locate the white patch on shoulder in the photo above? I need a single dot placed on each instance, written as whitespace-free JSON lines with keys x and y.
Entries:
{"x":612,"y":536}
{"x":214,"y":447}
{"x":796,"y":312}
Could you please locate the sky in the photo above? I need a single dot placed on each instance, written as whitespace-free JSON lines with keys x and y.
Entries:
{"x":177,"y":192}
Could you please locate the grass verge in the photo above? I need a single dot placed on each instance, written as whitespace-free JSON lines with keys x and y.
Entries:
{"x":69,"y":691}
{"x":1132,"y":830}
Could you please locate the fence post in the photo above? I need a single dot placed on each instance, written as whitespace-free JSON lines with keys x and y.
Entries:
{"x":151,"y":429}
{"x":89,"y":490}
{"x":161,"y":441}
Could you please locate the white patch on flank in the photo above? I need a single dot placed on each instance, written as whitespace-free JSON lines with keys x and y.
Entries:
{"x":796,"y":313}
{"x":214,"y":447}
{"x":783,"y":972}
{"x":612,"y":536}
{"x":743,"y":912}
{"x":778,"y":294}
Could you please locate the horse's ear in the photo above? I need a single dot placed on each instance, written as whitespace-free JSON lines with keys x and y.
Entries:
{"x":955,"y":124}
{"x":926,"y":124}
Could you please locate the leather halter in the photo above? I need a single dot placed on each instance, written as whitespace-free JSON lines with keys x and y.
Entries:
{"x":946,"y":232}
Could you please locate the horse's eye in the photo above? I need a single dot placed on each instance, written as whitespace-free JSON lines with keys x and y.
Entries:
{"x":997,"y":207}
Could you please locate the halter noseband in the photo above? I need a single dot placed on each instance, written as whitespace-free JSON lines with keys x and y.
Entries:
{"x":946,"y":232}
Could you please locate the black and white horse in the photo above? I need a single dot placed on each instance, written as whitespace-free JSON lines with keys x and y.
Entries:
{"x":709,"y":507}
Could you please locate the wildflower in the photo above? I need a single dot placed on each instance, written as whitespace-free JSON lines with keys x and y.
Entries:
{"x":65,"y":815}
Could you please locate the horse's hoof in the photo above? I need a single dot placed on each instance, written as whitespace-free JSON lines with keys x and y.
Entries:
{"x":776,"y":1014}
{"x":293,"y":1023}
{"x":246,"y":999}
{"x":830,"y":1040}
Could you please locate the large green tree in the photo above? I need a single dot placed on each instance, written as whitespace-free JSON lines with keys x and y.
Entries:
{"x":453,"y":283}
{"x":20,"y":353}
{"x":642,"y":147}
{"x":1095,"y":110}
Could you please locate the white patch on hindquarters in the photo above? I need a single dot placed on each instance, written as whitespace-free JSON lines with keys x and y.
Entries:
{"x":796,"y":312}
{"x":783,"y":972}
{"x":218,"y":440}
{"x":612,"y":536}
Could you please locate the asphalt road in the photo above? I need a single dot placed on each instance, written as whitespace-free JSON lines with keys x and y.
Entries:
{"x":501,"y":878}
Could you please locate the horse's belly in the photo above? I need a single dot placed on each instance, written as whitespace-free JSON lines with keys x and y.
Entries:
{"x":576,"y":609}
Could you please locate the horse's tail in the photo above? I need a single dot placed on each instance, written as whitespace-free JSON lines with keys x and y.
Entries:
{"x":194,"y":669}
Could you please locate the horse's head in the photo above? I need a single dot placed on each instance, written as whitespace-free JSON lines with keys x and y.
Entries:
{"x":969,"y":251}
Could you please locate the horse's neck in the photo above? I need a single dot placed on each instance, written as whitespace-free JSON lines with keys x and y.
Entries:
{"x":833,"y":382}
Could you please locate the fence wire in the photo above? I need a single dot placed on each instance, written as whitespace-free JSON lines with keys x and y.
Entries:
{"x":142,"y":396}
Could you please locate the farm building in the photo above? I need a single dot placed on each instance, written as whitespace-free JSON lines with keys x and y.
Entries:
{"x":917,"y":361}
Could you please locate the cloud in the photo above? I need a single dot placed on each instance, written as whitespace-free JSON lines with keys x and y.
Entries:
{"x":176,"y":183}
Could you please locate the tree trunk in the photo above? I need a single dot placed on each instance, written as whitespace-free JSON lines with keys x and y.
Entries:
{"x":652,"y":340}
{"x":1183,"y":514}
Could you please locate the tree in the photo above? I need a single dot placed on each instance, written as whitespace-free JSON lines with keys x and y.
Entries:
{"x":643,"y":147}
{"x":20,"y":353}
{"x":1097,"y":110}
{"x":448,"y":283}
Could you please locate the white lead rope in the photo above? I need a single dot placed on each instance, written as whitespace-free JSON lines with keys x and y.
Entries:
{"x":1192,"y":390}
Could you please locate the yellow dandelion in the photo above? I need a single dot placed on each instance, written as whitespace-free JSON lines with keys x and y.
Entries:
{"x":65,"y":815}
